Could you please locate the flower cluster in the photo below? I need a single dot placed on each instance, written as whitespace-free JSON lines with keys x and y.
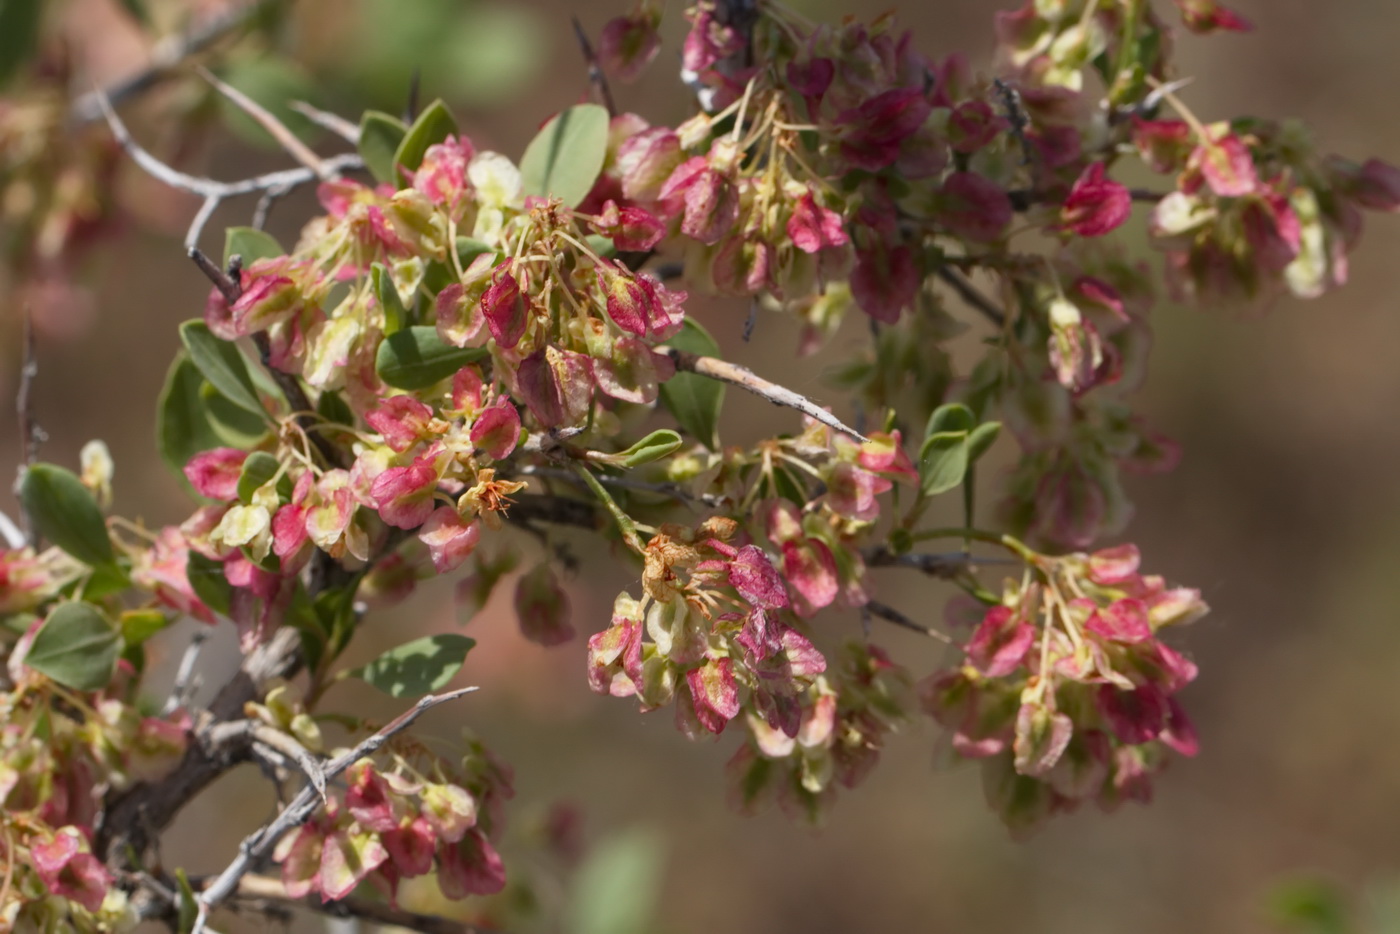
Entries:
{"x":1066,"y":690}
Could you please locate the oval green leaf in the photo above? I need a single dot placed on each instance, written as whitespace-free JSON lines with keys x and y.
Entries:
{"x":64,"y":512}
{"x":380,"y":137}
{"x":417,"y":357}
{"x":76,"y":646}
{"x":981,"y":439}
{"x":695,"y":401}
{"x":618,"y":887}
{"x":951,"y":417}
{"x":564,"y":158}
{"x":433,"y":125}
{"x":183,"y":427}
{"x":222,"y":364}
{"x":943,"y":461}
{"x":207,"y":580}
{"x":395,"y":314}
{"x":258,"y":468}
{"x":419,"y":667}
{"x":653,"y":447}
{"x":250,"y":244}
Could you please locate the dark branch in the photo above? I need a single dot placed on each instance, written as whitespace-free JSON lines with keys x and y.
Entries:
{"x":971,"y":296}
{"x":596,"y":78}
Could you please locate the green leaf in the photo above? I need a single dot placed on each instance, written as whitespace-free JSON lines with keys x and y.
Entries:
{"x":19,"y":34}
{"x":603,"y":246}
{"x":251,"y":244}
{"x":221,"y":364}
{"x":1309,"y":905}
{"x":65,"y":512}
{"x":76,"y":646}
{"x":981,"y":439}
{"x":187,"y":912}
{"x":137,"y":10}
{"x":419,"y":667}
{"x":564,"y":158}
{"x":417,"y":357}
{"x":183,"y":427}
{"x":693,"y":400}
{"x":258,"y":468}
{"x":380,"y":136}
{"x":395,"y":314}
{"x":207,"y":580}
{"x":653,"y":447}
{"x":139,"y":625}
{"x":951,"y":417}
{"x":943,"y":461}
{"x":433,"y":125}
{"x":617,"y":889}
{"x":233,"y":425}
{"x":333,"y":408}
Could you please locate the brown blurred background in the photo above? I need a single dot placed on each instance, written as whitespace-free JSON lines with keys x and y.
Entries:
{"x":1284,"y":511}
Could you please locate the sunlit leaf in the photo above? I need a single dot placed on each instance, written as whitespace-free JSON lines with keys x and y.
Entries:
{"x":419,"y":667}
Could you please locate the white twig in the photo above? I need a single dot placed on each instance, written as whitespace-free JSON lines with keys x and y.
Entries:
{"x":215,"y":192}
{"x":261,"y":841}
{"x":264,"y":118}
{"x":747,"y":379}
{"x":185,"y":681}
{"x":326,"y":120}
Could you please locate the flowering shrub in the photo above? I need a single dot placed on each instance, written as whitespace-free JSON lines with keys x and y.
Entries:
{"x":464,"y":340}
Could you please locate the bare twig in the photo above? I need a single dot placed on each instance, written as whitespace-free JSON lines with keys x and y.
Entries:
{"x":166,"y":56}
{"x":746,"y":379}
{"x":264,"y":118}
{"x":259,"y":843}
{"x":971,"y":296}
{"x":328,"y":121}
{"x":252,"y":886}
{"x":890,"y":614}
{"x":1015,"y":115}
{"x":289,"y":748}
{"x":215,"y":192}
{"x":186,"y":683}
{"x":596,"y":78}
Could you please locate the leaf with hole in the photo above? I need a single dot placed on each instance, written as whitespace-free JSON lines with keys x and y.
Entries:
{"x":419,"y":667}
{"x":565,"y":158}
{"x":76,"y":646}
{"x":65,"y":512}
{"x":417,"y":357}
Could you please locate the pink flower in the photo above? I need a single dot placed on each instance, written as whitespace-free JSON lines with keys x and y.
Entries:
{"x":630,"y":227}
{"x":215,"y":473}
{"x":758,"y":582}
{"x":450,"y":540}
{"x":68,"y":869}
{"x":1227,"y":166}
{"x":542,"y":607}
{"x":871,"y":133}
{"x":1096,"y":205}
{"x":971,"y":206}
{"x":885,"y":282}
{"x":1123,"y":621}
{"x":442,"y":175}
{"x":402,"y":421}
{"x":471,"y":866}
{"x":629,"y":42}
{"x":1000,"y":643}
{"x":497,"y":429}
{"x":506,"y":310}
{"x":852,"y":492}
{"x":813,"y":227}
{"x":714,"y":693}
{"x":403,"y":496}
{"x":709,"y":200}
{"x":1206,"y":16}
{"x":615,"y":659}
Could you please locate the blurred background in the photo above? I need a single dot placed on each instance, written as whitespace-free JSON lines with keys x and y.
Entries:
{"x":1284,"y":511}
